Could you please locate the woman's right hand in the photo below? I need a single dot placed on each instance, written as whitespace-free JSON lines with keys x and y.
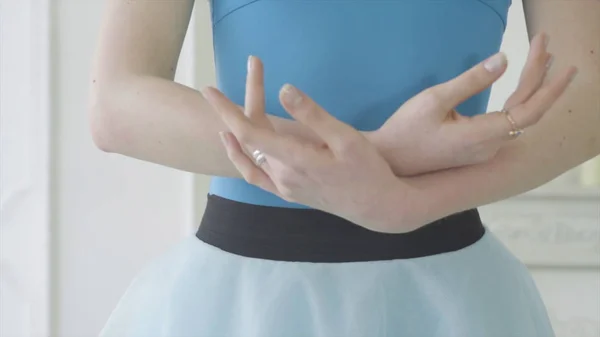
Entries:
{"x":347,"y":176}
{"x":427,"y":134}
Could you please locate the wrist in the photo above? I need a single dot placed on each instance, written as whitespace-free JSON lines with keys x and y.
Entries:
{"x":375,"y":138}
{"x":439,"y":199}
{"x":400,"y":208}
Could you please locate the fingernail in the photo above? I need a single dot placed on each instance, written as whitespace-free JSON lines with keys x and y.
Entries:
{"x":223,"y":138}
{"x":495,"y":62}
{"x":549,"y":62}
{"x":291,"y":96}
{"x":250,"y":62}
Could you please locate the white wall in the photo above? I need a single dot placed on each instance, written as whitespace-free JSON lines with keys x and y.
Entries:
{"x":111,"y":213}
{"x":24,"y":162}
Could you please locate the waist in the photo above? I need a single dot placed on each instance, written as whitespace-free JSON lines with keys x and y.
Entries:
{"x":308,"y":235}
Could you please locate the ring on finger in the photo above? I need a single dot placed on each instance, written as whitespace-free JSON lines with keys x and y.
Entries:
{"x":259,"y":157}
{"x":515,"y":131}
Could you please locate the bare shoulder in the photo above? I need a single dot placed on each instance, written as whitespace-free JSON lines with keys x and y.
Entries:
{"x":142,"y":37}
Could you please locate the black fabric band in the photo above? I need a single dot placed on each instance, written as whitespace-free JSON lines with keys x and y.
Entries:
{"x":308,"y":235}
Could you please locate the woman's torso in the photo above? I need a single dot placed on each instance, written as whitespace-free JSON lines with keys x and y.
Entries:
{"x":359,"y":59}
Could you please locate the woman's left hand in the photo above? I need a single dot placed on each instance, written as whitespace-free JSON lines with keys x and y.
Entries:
{"x":345,"y":175}
{"x":427,"y":134}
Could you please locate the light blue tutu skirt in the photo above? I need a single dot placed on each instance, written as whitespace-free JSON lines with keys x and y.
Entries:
{"x":198,"y":290}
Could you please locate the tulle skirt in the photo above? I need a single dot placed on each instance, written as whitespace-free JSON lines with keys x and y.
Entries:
{"x":198,"y":290}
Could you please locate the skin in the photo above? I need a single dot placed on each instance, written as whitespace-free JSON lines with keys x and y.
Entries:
{"x":345,"y":174}
{"x":567,"y":136}
{"x":138,"y":111}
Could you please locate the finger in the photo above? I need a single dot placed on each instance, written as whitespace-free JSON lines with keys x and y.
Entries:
{"x":470,"y":83}
{"x":219,"y":101}
{"x":285,"y":149}
{"x":255,"y":97}
{"x":531,"y":111}
{"x":255,"y":94}
{"x":306,"y":111}
{"x":534,"y":71}
{"x":252,"y":174}
{"x":497,"y":125}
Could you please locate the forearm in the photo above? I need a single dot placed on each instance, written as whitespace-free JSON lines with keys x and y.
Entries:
{"x":136,"y":108}
{"x":567,"y":136}
{"x":160,"y":121}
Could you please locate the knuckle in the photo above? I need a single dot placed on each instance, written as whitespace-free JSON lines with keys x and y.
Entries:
{"x":517,"y":97}
{"x":244,"y":136}
{"x":433,"y":97}
{"x":476,"y":139}
{"x":529,"y":114}
{"x":476,"y":147}
{"x":253,"y":177}
{"x":312,"y":114}
{"x":232,"y":155}
{"x":541,"y":59}
{"x":524,"y":90}
{"x":534,"y":120}
{"x":433,"y":93}
{"x":481,"y":154}
{"x":288,"y":178}
{"x":235,"y":156}
{"x":286,"y":193}
{"x":288,"y":199}
{"x":350,"y":145}
{"x":533,"y":117}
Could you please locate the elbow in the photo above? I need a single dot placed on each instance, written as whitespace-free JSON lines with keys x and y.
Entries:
{"x":102,"y":121}
{"x":100,"y":133}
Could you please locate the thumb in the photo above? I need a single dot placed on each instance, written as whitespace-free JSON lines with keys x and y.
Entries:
{"x":471,"y":82}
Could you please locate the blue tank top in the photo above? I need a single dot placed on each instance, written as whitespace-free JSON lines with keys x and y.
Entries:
{"x":359,"y":59}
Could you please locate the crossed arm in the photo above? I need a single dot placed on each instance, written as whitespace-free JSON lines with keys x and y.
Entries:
{"x":135,"y":107}
{"x":569,"y":133}
{"x":566,"y":136}
{"x":137,"y":110}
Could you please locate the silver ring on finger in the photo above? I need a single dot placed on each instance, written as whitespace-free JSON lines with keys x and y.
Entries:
{"x":259,"y":157}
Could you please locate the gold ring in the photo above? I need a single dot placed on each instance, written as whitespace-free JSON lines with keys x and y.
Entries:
{"x":516,"y":131}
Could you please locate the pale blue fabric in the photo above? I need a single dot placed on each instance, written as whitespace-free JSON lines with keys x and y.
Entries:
{"x":197,"y":290}
{"x":360,"y":59}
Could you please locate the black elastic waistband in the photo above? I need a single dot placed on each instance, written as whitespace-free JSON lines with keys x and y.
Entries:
{"x":308,"y":235}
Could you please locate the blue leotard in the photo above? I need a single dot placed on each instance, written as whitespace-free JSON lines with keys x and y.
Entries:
{"x":256,"y":271}
{"x":359,"y":59}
